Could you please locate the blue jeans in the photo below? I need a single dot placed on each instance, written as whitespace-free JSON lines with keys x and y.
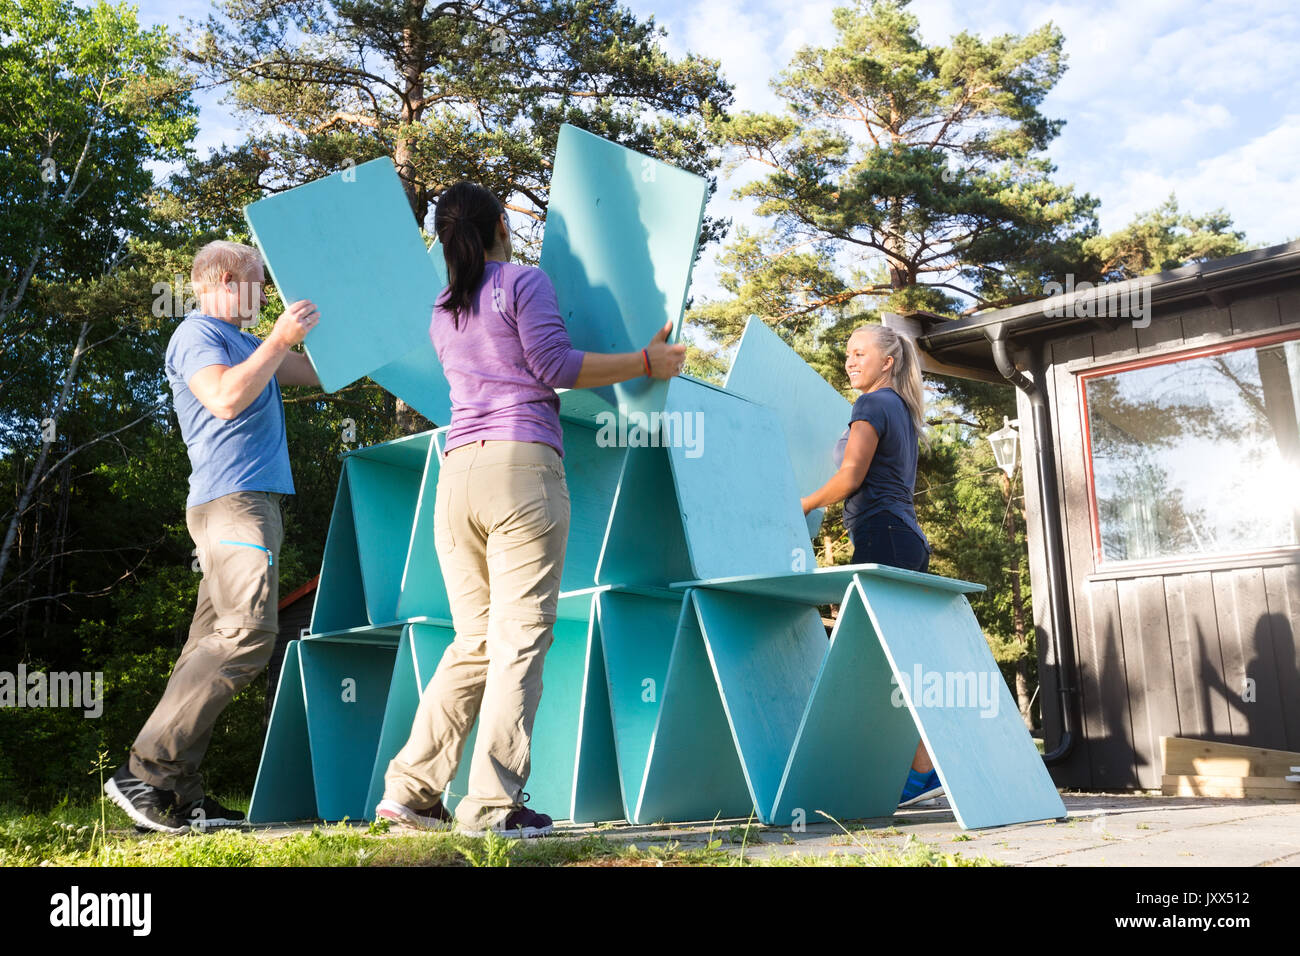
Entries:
{"x":884,"y":539}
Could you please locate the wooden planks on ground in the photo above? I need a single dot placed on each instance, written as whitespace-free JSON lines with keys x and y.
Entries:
{"x":1206,"y":768}
{"x":1273,"y":788}
{"x":1181,"y":755}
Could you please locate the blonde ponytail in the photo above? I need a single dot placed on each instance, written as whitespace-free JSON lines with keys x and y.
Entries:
{"x":906,"y":373}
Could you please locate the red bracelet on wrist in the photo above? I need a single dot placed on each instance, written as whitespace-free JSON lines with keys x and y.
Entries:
{"x":645,"y":357}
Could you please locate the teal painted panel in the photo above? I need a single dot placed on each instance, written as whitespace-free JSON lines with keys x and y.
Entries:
{"x":423,"y":590}
{"x":621,"y":233}
{"x":416,"y":376}
{"x":550,"y":782}
{"x":854,"y":747}
{"x":583,"y":406}
{"x":283,"y":789}
{"x":637,"y":641}
{"x":738,"y":499}
{"x":644,"y":543}
{"x":352,"y":246}
{"x":340,"y":601}
{"x":417,"y":656}
{"x":693,"y":772}
{"x":407,"y":452}
{"x":596,"y":793}
{"x":592,"y":474}
{"x":344,"y":721}
{"x":383,"y":507}
{"x":399,"y":711}
{"x":384,"y":635}
{"x":765,"y":656}
{"x":823,"y":585}
{"x":984,"y":756}
{"x":813,"y":414}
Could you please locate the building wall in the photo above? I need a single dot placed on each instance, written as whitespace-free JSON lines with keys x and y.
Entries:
{"x":1164,"y":651}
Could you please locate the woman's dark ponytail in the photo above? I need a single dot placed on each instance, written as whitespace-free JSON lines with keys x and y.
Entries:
{"x":465,"y":221}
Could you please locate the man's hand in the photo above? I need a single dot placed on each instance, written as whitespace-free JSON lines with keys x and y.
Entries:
{"x":227,"y":390}
{"x":295,"y":322}
{"x":665,"y":360}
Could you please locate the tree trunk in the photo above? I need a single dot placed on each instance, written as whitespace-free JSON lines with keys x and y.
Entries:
{"x":34,"y":478}
{"x":409,"y":421}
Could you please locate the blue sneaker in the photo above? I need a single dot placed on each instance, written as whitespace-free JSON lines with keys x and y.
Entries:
{"x":920,"y":787}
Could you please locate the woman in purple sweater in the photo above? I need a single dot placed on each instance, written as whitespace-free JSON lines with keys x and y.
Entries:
{"x":501,"y":518}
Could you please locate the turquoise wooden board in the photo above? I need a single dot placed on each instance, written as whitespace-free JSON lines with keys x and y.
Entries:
{"x":346,"y":689}
{"x":576,"y":605}
{"x":383,"y":504}
{"x":644,"y":542}
{"x":416,"y":376}
{"x":387,"y":635}
{"x":813,"y":414}
{"x":423,"y":590}
{"x":765,"y":655}
{"x":340,"y":600}
{"x":822,"y":585}
{"x":550,"y":783}
{"x":592,"y":474}
{"x":284,"y":788}
{"x":350,"y":244}
{"x":853,"y":749}
{"x":990,"y":769}
{"x":407,"y":452}
{"x":417,"y":656}
{"x":583,"y":406}
{"x":621,"y":233}
{"x":693,"y":771}
{"x":399,"y":711}
{"x":637,"y":640}
{"x":735,"y":487}
{"x":596,"y":794}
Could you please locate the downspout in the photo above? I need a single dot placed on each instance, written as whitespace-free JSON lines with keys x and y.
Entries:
{"x":1058,"y":604}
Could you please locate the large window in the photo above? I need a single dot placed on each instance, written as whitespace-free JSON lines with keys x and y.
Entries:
{"x":1196,"y":453}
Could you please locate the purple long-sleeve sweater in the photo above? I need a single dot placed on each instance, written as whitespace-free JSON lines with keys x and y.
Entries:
{"x":506,"y":359}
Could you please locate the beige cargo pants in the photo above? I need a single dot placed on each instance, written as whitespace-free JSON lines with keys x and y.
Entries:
{"x":501,"y":523}
{"x":231,"y":639}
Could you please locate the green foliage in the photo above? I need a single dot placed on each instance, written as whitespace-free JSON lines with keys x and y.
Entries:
{"x":1161,"y":239}
{"x":451,"y":91}
{"x":899,"y":171}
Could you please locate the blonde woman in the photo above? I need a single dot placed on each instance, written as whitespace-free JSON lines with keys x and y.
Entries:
{"x":876,"y":479}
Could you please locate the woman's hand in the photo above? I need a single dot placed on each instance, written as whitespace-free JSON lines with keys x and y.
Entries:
{"x":806,"y":506}
{"x":665,"y":360}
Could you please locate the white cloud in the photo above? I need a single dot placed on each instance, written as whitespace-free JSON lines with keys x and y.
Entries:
{"x":1256,"y":182}
{"x":1176,"y":133}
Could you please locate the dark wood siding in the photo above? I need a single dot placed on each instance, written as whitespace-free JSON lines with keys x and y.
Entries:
{"x":1164,"y":651}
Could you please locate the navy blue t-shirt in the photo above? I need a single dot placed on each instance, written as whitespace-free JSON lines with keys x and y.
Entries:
{"x":891,"y":478}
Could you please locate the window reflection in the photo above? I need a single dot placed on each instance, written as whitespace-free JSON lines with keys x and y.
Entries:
{"x":1198,"y":455}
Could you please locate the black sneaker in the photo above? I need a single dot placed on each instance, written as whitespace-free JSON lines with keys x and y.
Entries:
{"x":208,"y":814}
{"x":152,"y":808}
{"x":520,"y":822}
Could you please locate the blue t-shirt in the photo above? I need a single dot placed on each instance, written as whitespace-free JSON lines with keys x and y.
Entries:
{"x":247,"y":453}
{"x":891,"y":478}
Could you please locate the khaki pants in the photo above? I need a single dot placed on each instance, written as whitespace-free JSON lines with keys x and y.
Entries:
{"x":501,"y":522}
{"x":238,"y":537}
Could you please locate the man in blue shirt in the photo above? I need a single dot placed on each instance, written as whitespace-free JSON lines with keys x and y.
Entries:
{"x":226,"y":390}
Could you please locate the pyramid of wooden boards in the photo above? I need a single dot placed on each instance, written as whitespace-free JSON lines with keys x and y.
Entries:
{"x":690,"y":675}
{"x":673,"y":691}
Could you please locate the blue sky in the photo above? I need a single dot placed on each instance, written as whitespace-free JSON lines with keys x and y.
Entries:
{"x":1160,"y":96}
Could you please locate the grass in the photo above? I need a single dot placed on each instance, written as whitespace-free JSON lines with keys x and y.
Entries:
{"x":102,"y":835}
